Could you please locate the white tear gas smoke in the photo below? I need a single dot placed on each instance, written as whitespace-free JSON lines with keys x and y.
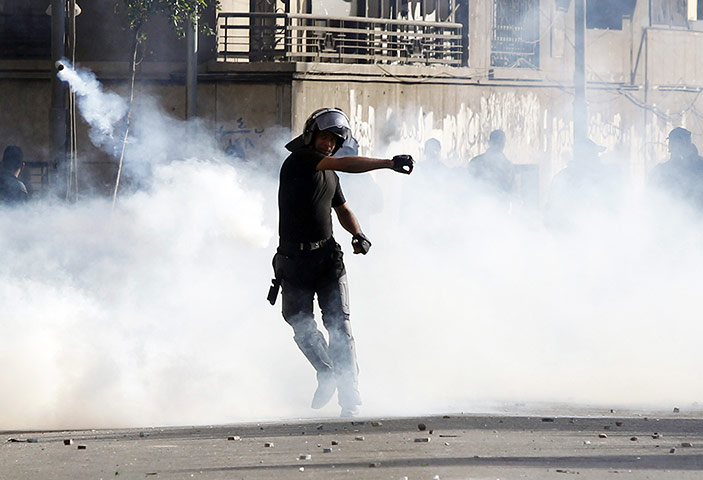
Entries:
{"x":155,"y":314}
{"x":101,"y":110}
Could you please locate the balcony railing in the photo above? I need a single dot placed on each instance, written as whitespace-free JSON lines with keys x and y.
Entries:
{"x":287,"y":37}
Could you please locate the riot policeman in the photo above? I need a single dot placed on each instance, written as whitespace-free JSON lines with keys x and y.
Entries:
{"x":308,"y":260}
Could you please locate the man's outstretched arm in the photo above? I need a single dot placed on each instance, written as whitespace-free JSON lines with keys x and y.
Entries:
{"x":352,"y":164}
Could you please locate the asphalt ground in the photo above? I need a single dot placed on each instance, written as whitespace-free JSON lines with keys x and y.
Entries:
{"x":454,"y":446}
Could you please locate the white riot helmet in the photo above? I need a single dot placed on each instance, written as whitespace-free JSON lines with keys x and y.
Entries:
{"x":332,"y":120}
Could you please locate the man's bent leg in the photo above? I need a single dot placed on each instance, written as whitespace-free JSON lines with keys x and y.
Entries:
{"x":297,"y":311}
{"x":334,"y":303}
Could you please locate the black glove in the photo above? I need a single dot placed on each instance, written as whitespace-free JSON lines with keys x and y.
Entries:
{"x":403,"y":164}
{"x":361,"y":244}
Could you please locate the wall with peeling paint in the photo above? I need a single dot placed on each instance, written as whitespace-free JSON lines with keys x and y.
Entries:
{"x":252,"y":117}
{"x":537,"y":122}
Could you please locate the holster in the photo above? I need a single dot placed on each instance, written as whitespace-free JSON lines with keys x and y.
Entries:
{"x":275,"y":282}
{"x":273,"y":291}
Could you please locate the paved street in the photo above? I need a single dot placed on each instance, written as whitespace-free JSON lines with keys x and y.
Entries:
{"x":630,"y":446}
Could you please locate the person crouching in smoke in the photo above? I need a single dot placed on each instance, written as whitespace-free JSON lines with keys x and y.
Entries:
{"x":308,"y":260}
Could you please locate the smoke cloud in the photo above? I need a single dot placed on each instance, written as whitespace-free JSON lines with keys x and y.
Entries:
{"x":155,"y":313}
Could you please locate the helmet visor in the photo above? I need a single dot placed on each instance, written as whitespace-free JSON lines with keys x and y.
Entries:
{"x":335,"y":121}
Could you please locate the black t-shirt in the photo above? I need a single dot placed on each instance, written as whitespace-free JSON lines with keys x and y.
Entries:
{"x":12,"y":190}
{"x":306,"y":197}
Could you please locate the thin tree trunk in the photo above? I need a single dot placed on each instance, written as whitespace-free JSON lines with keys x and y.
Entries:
{"x":129,"y":116}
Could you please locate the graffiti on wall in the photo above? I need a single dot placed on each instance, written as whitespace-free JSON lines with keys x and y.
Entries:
{"x":241,"y":141}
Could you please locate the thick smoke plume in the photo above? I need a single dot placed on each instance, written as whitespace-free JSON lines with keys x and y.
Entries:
{"x":155,"y":313}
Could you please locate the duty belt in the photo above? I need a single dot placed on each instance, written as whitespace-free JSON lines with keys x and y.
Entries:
{"x":305,"y":246}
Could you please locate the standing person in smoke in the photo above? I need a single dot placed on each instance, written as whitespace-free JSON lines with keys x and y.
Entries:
{"x":681,"y":177}
{"x":12,"y":189}
{"x":493,"y":170}
{"x":584,"y":187}
{"x":308,"y":261}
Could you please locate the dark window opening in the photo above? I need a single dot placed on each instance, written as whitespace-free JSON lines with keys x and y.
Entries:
{"x":515,"y":36}
{"x":607,"y":14}
{"x":25,"y":36}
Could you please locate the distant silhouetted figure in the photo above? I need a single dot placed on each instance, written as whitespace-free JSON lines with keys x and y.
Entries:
{"x":586,"y":186}
{"x":12,"y":190}
{"x":432,"y":153}
{"x":493,"y":169}
{"x":681,"y":177}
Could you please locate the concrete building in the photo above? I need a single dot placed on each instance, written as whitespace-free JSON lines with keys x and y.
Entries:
{"x":405,"y":71}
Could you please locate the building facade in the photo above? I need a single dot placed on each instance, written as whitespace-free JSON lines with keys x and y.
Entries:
{"x":405,"y":71}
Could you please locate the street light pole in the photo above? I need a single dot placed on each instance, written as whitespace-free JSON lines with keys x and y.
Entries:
{"x":580,"y":114}
{"x":192,"y":68}
{"x":57,"y":114}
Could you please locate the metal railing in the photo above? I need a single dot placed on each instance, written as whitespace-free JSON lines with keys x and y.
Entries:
{"x":255,"y":37}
